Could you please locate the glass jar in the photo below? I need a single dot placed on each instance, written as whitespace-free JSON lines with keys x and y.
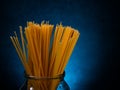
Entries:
{"x":45,"y":83}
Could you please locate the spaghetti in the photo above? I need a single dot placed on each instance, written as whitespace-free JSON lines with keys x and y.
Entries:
{"x":36,"y":55}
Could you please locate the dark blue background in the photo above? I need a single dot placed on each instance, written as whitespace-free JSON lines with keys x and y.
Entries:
{"x":89,"y":67}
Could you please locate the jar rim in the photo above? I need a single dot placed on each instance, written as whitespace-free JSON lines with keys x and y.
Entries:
{"x":59,"y":76}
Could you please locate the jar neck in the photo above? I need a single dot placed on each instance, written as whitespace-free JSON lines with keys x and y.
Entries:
{"x":59,"y":76}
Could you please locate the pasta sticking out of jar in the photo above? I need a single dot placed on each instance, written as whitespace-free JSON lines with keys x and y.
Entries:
{"x":44,"y":58}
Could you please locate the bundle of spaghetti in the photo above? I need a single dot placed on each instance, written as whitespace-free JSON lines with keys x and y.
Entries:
{"x":39,"y":57}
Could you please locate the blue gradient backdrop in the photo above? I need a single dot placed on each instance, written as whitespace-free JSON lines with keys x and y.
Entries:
{"x":88,"y":67}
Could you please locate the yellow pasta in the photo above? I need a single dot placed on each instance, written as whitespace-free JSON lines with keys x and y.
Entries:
{"x":36,"y":55}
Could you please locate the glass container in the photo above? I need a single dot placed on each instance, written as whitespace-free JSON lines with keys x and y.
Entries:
{"x":45,"y":83}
